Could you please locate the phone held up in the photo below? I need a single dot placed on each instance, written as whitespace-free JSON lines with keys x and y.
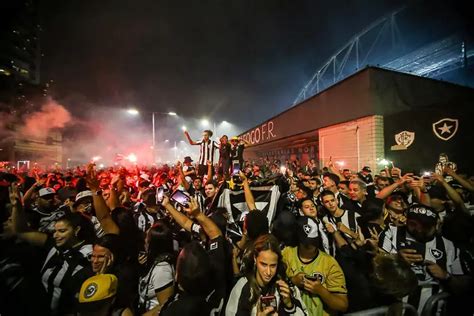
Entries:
{"x":267,"y":301}
{"x":181,"y":198}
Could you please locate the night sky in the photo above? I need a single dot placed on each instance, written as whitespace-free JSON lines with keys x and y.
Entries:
{"x":235,"y":60}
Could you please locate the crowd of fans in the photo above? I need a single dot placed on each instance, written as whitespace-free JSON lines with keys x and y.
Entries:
{"x":153,"y":240}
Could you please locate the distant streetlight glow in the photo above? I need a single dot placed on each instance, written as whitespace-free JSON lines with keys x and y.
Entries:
{"x":204,"y":122}
{"x":133,"y":111}
{"x":132,"y":158}
{"x":183,"y":128}
{"x":172,"y":113}
{"x":340,"y":163}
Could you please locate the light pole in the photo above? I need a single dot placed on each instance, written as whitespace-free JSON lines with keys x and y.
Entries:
{"x":136,"y":112}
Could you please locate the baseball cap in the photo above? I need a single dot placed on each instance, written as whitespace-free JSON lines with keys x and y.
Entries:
{"x":98,"y":288}
{"x":422,"y":212}
{"x":188,"y":159}
{"x":307,"y":230}
{"x":81,"y":196}
{"x":145,"y":177}
{"x":367,"y":169}
{"x":46,"y":191}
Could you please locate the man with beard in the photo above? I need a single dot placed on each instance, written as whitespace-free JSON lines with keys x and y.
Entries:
{"x":68,"y":190}
{"x":432,"y":257}
{"x":45,"y":209}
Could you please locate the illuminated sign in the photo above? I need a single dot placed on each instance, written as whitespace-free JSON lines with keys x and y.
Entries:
{"x":261,"y":134}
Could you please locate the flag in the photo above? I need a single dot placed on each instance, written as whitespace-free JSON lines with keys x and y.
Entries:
{"x":266,"y":199}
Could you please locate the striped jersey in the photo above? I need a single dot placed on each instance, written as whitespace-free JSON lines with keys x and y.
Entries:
{"x":206,"y":151}
{"x":62,"y":275}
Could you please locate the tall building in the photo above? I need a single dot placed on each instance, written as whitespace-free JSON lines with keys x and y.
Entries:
{"x":20,"y":53}
{"x":21,"y":90}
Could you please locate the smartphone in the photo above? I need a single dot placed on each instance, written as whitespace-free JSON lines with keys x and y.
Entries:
{"x":180,"y":197}
{"x":269,"y":300}
{"x":235,"y":168}
{"x":312,"y":277}
{"x":412,"y":244}
{"x":160,"y":193}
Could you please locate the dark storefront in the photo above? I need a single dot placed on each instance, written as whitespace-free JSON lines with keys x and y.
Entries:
{"x":356,"y":121}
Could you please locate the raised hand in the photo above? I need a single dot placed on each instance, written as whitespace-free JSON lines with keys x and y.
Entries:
{"x":91,"y":178}
{"x":13,"y":194}
{"x":285,"y":293}
{"x":448,"y":171}
{"x":192,"y":208}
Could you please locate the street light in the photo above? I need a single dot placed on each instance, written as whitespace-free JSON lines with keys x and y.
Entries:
{"x":136,"y":112}
{"x":133,"y":111}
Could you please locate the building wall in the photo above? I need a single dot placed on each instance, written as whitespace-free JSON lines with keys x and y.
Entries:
{"x":43,"y":151}
{"x":423,"y":153}
{"x":353,"y":144}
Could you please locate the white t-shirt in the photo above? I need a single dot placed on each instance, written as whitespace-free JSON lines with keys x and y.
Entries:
{"x":160,"y":276}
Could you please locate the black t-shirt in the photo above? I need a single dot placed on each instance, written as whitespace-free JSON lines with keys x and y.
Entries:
{"x":127,"y":276}
{"x":357,"y":267}
{"x":211,"y":303}
{"x":224,"y":151}
{"x":19,"y":270}
{"x":237,"y":152}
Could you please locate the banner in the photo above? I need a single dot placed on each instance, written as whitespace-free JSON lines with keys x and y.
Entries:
{"x":266,"y":199}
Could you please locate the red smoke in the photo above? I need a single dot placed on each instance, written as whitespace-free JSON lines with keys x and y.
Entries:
{"x":51,"y":115}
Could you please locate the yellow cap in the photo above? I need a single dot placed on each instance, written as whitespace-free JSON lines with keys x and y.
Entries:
{"x":97,"y":288}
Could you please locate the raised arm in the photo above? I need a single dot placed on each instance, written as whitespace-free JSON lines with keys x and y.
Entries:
{"x":32,"y":190}
{"x":249,"y":199}
{"x":385,"y":192}
{"x":182,"y":176}
{"x":209,"y":227}
{"x":452,"y":193}
{"x":332,"y":169}
{"x":181,"y":219}
{"x":20,"y":227}
{"x":209,"y":170}
{"x":190,"y":141}
{"x":420,"y":192}
{"x":116,"y":187}
{"x":466,"y":184}
{"x":244,"y":142}
{"x":102,"y":211}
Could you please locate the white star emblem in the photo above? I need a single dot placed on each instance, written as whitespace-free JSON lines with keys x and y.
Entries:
{"x":445,"y":129}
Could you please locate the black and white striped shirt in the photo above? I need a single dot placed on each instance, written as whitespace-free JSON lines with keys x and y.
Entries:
{"x":62,"y":275}
{"x":207,"y":150}
{"x":349,"y":219}
{"x":439,"y":250}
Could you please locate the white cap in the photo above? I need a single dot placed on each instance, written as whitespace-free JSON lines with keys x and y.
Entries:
{"x":46,"y":191}
{"x":83,"y":194}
